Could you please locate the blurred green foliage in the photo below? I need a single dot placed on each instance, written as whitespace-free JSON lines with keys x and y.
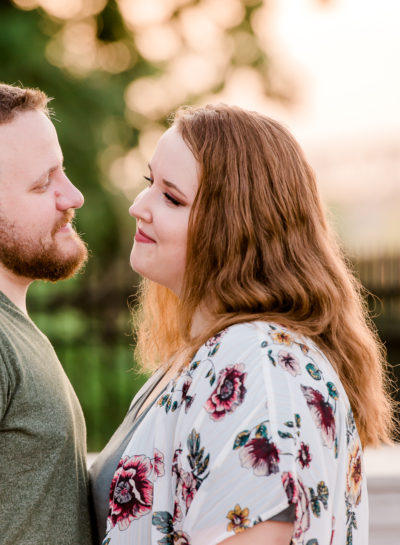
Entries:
{"x":87,"y":318}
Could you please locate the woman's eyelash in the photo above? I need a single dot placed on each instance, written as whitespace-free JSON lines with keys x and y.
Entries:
{"x":166,"y":195}
{"x":171,"y":199}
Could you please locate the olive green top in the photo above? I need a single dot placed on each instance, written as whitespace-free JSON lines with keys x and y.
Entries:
{"x":43,"y":476}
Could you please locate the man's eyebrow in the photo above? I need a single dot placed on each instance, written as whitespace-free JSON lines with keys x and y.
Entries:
{"x":46,"y":173}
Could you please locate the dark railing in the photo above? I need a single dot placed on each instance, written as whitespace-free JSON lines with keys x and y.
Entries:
{"x":88,"y":322}
{"x":381,"y":277}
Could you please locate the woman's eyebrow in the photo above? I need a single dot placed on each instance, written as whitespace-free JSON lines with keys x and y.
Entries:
{"x":175,"y":187}
{"x":170,"y":184}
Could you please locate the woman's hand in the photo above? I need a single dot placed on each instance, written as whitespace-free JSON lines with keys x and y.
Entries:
{"x":270,"y":532}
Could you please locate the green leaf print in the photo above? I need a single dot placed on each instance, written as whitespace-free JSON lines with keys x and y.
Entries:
{"x":261,"y":431}
{"x":285,"y":434}
{"x":332,"y":390}
{"x":271,"y":359}
{"x":166,"y":540}
{"x":195,"y":456}
{"x":321,"y":497}
{"x":323,"y":493}
{"x":162,"y":520}
{"x":214,"y":350}
{"x":313,"y":371}
{"x":289,"y":424}
{"x":241,"y":439}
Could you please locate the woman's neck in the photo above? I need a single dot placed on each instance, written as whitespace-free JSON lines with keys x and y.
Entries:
{"x":200,"y":321}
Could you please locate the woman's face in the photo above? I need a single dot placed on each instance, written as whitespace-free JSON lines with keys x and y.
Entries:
{"x":162,"y":212}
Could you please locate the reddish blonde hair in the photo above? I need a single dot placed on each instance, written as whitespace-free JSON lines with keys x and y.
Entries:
{"x":260,"y":248}
{"x":15,"y":99}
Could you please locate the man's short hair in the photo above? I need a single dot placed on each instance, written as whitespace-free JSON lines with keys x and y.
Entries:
{"x":14,"y":99}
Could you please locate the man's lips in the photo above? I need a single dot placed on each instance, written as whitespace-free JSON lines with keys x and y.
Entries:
{"x":64,"y":225}
{"x":140,"y":236}
{"x":65,"y":228}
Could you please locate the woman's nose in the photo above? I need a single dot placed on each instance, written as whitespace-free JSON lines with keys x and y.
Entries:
{"x":140,"y":208}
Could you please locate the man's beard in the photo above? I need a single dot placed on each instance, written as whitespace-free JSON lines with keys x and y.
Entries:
{"x":36,"y":259}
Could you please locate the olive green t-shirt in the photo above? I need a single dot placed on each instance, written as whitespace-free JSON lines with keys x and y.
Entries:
{"x":43,"y":476}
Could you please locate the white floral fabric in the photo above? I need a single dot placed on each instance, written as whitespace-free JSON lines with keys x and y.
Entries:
{"x":258,"y":421}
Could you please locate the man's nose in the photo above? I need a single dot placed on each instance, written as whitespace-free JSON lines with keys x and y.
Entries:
{"x":69,"y":196}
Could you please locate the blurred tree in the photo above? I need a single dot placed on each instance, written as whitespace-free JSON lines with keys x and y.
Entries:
{"x":80,"y":106}
{"x":117,"y":69}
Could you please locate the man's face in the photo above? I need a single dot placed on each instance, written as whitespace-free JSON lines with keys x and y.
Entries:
{"x":37,"y":202}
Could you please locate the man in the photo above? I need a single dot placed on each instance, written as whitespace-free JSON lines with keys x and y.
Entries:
{"x":43,"y":480}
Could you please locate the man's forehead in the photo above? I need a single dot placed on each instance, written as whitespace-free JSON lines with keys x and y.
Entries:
{"x":28,"y":146}
{"x":27,"y":124}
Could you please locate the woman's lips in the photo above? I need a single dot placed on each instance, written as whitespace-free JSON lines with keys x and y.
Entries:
{"x":142,"y":237}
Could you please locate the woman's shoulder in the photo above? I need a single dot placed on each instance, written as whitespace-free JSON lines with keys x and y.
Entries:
{"x":267,"y":349}
{"x":248,"y":347}
{"x":255,"y":334}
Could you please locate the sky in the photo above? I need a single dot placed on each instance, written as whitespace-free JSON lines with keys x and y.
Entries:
{"x":348,"y":54}
{"x":345,"y":58}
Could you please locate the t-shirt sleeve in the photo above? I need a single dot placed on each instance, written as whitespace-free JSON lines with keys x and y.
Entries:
{"x":4,"y":387}
{"x":239,"y":436}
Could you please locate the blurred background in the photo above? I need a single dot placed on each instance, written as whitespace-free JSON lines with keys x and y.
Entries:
{"x":328,"y":69}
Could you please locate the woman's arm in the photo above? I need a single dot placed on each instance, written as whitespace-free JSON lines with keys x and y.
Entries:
{"x":270,"y":532}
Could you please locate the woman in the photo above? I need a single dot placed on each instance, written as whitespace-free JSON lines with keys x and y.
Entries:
{"x":267,"y":371}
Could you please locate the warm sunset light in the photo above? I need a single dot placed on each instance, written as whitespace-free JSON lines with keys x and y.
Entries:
{"x":251,"y":244}
{"x":326,"y":69}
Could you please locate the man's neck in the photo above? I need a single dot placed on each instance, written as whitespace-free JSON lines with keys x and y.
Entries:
{"x":14,"y":287}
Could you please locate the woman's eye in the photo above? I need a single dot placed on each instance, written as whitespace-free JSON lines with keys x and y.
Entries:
{"x":171,"y":199}
{"x":150,"y":180}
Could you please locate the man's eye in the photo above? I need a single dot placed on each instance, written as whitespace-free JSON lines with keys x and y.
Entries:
{"x":42,"y":187}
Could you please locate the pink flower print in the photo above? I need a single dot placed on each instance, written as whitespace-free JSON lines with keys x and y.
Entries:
{"x":354,"y":474}
{"x":214,"y":340}
{"x":304,"y":456}
{"x":177,"y":512}
{"x":322,"y":414}
{"x":261,"y":455}
{"x":290,"y":487}
{"x":289,"y":362}
{"x":176,"y":462}
{"x":131,"y":492}
{"x":189,"y":488}
{"x":159,"y":468}
{"x":229,"y":392}
{"x":187,"y":399}
{"x":299,"y":495}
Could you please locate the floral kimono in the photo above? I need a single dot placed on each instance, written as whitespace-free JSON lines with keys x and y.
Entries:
{"x":256,"y":423}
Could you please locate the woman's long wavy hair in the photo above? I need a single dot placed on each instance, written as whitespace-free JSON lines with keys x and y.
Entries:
{"x":260,"y":248}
